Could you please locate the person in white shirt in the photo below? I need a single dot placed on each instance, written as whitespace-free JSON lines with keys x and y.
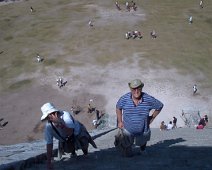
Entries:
{"x":194,"y":89}
{"x":170,"y":126}
{"x":201,"y":4}
{"x":62,"y":126}
{"x":190,"y":20}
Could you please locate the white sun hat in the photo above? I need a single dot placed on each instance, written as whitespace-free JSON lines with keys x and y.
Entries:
{"x":47,"y":109}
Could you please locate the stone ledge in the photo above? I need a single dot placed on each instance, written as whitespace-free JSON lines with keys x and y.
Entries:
{"x":21,"y":156}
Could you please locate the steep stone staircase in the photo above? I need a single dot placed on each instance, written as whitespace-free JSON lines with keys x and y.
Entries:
{"x":182,"y":148}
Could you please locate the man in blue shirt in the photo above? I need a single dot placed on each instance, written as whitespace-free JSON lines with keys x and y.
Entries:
{"x":133,"y":110}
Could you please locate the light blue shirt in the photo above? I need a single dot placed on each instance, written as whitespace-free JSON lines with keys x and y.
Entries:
{"x":67,"y":121}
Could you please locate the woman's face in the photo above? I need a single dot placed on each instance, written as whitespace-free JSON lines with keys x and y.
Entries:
{"x":53,"y":117}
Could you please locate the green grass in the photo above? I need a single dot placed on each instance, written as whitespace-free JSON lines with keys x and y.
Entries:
{"x":186,"y":47}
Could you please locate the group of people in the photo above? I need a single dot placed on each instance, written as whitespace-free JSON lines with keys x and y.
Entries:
{"x":133,"y":34}
{"x":132,"y":110}
{"x":61,"y":82}
{"x":170,"y":125}
{"x":138,"y":34}
{"x":128,"y":5}
{"x":190,"y":19}
{"x":131,"y":6}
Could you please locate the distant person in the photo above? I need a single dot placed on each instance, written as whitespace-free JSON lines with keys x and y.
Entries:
{"x":133,"y":5}
{"x":194,"y":89}
{"x":39,"y":58}
{"x":163,"y":126}
{"x":90,"y":23}
{"x":90,"y":108}
{"x":201,"y":4}
{"x":170,"y":126}
{"x":62,"y":126}
{"x":118,"y":6}
{"x":153,"y":34}
{"x":31,"y":9}
{"x":190,"y":20}
{"x":206,"y":119}
{"x":132,"y":110}
{"x":95,"y":123}
{"x":201,"y":124}
{"x":60,"y":82}
{"x":128,"y":35}
{"x":174,"y":122}
{"x":127,"y":6}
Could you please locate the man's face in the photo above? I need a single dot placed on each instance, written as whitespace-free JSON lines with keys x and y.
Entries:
{"x":136,"y":92}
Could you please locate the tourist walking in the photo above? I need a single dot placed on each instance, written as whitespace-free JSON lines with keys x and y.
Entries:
{"x":62,"y":126}
{"x":201,"y":4}
{"x":174,"y":122}
{"x":190,"y":20}
{"x":170,"y":126}
{"x":194,"y":89}
{"x":133,"y":110}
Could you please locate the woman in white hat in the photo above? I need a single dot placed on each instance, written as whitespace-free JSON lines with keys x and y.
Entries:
{"x":62,"y":126}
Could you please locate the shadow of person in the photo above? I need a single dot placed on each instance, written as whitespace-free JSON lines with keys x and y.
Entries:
{"x":166,"y":153}
{"x":2,"y":124}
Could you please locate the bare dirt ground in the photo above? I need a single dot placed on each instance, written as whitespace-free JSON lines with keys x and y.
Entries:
{"x":91,"y":76}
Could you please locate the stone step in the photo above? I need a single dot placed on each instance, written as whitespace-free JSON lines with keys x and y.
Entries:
{"x":182,"y":148}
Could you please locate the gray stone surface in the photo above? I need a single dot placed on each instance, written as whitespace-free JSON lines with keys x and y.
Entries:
{"x":182,"y":148}
{"x":23,"y":155}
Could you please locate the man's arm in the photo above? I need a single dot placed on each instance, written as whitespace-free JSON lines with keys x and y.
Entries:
{"x":154,"y":115}
{"x":119,"y":118}
{"x":158,"y":106}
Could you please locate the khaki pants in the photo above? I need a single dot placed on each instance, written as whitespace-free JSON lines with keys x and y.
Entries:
{"x":124,"y":141}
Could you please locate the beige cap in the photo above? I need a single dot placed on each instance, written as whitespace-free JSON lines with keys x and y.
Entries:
{"x":136,"y":83}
